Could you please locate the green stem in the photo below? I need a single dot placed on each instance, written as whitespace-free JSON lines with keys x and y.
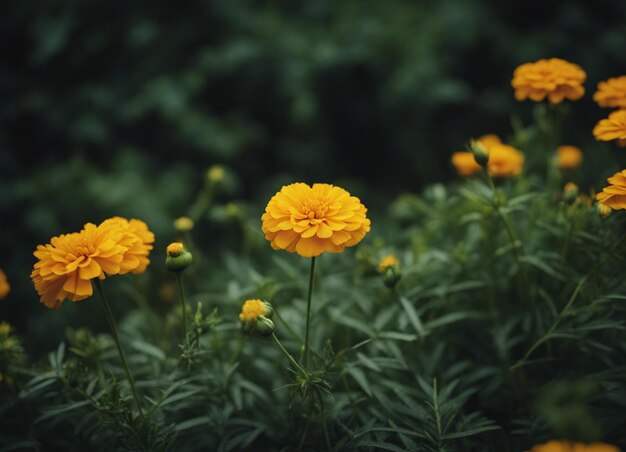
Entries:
{"x":183,"y":304}
{"x":569,"y":304}
{"x":238,"y":349}
{"x":288,"y":355}
{"x":291,"y":330}
{"x":308,"y":314}
{"x":113,"y":326}
{"x":323,"y":419}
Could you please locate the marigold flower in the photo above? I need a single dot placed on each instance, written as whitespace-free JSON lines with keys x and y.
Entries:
{"x":178,"y":258}
{"x":66,"y":265}
{"x":505,"y":161}
{"x":311,"y":220}
{"x":611,"y":93}
{"x":387,"y":262}
{"x":137,"y":240}
{"x":183,"y":224}
{"x":567,"y":446}
{"x":489,"y":139}
{"x":5,"y":287}
{"x":252,"y":309}
{"x":614,"y":196}
{"x":611,"y":128}
{"x":216,"y":174}
{"x":465,"y":163}
{"x":174,"y":249}
{"x":553,"y":78}
{"x":569,"y":157}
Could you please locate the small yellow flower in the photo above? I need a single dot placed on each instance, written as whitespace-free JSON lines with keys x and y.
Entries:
{"x":174,"y":249}
{"x":387,"y":262}
{"x":183,"y":224}
{"x":5,"y":287}
{"x":611,"y":128}
{"x":553,"y":78}
{"x":567,"y":446}
{"x":604,"y":210}
{"x":569,"y":157}
{"x":614,"y":196}
{"x":251,"y":310}
{"x":611,"y":93}
{"x":313,"y":220}
{"x":216,"y":174}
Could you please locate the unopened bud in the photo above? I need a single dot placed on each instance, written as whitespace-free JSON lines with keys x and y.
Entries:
{"x":178,"y":258}
{"x":570,"y":193}
{"x":603,"y":210}
{"x":215,"y":174}
{"x":183,"y":224}
{"x":391,"y":276}
{"x":264,"y":326}
{"x":480,"y":151}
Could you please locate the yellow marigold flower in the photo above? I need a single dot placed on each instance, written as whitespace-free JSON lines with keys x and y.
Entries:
{"x":505,"y":161}
{"x":611,"y":128}
{"x":569,"y":157}
{"x":183,"y":224}
{"x":465,"y":163}
{"x":69,"y":262}
{"x":611,"y":93}
{"x":614,"y":196}
{"x":137,"y":239}
{"x":311,"y":220}
{"x":489,"y":139}
{"x":553,"y":78}
{"x":567,"y":446}
{"x":387,"y":262}
{"x":174,"y":249}
{"x":253,"y":309}
{"x":5,"y":287}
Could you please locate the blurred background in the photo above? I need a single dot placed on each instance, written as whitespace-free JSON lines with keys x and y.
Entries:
{"x":118,"y":108}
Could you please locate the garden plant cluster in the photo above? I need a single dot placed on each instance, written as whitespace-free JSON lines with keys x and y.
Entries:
{"x":486,"y":314}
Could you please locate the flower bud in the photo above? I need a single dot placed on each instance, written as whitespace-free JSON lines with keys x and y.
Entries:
{"x":570,"y":193}
{"x":481,"y":153}
{"x":178,"y":258}
{"x":603,"y":210}
{"x":183,"y":224}
{"x":264,"y":326}
{"x":391,"y":276}
{"x":215,"y":174}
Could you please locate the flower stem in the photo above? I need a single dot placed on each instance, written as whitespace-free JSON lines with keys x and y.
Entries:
{"x":287,"y":354}
{"x":570,"y":302}
{"x":240,"y":343}
{"x":183,"y":304}
{"x":323,"y":419}
{"x":113,"y":326}
{"x":307,"y":354}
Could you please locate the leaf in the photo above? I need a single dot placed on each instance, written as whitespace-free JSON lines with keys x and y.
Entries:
{"x":413,"y":317}
{"x":192,"y":423}
{"x":52,"y":412}
{"x":360,"y":378}
{"x":394,"y":335}
{"x":148,"y":349}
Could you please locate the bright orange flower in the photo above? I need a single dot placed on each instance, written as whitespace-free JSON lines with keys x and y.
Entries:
{"x":567,"y":446}
{"x":553,"y":78}
{"x":569,"y":157}
{"x":611,"y":93}
{"x":611,"y":128}
{"x":614,"y":196}
{"x":465,"y":163}
{"x":505,"y":161}
{"x":137,"y":240}
{"x":5,"y":287}
{"x":311,"y":220}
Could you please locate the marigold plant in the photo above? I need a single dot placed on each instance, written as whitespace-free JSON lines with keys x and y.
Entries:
{"x":313,"y":220}
{"x":554,"y":79}
{"x":611,"y":93}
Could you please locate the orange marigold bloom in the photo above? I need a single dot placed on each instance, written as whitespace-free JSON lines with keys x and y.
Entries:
{"x":311,"y":220}
{"x":553,"y":78}
{"x":489,"y":140}
{"x":505,"y":161}
{"x":569,"y":157}
{"x":614,"y":196}
{"x":567,"y":446}
{"x":465,"y":163}
{"x":5,"y":287}
{"x":611,"y":128}
{"x":137,"y":239}
{"x":611,"y":93}
{"x":66,"y":265}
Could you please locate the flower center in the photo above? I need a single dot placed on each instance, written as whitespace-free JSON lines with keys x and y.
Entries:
{"x":314,"y":208}
{"x":85,"y":248}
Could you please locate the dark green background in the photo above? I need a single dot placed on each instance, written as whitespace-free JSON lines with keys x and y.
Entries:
{"x":117,"y":108}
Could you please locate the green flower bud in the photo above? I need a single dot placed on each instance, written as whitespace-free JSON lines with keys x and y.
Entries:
{"x":178,"y":258}
{"x":481,"y":153}
{"x":391,"y":276}
{"x":570,"y":193}
{"x":264,"y":326}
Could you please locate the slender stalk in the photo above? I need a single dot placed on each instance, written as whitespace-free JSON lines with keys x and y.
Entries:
{"x":183,"y":304}
{"x":287,"y":354}
{"x":323,"y":419}
{"x":238,"y":349}
{"x":289,"y":328}
{"x":308,"y":314}
{"x":569,"y":304}
{"x":113,"y":326}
